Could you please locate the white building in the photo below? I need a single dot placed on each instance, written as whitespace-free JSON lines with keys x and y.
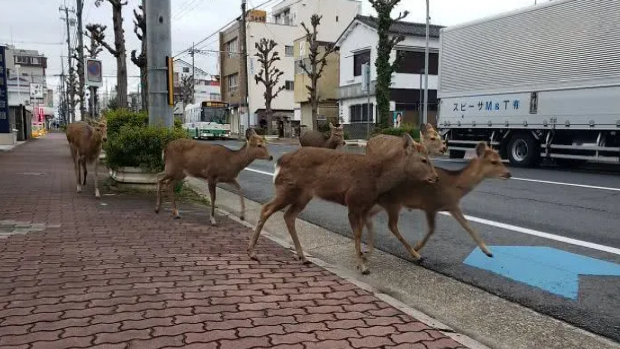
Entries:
{"x":283,"y":25}
{"x":206,"y":87}
{"x":358,"y":45}
{"x":25,"y":67}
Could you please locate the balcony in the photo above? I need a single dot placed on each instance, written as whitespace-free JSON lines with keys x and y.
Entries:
{"x":354,"y":91}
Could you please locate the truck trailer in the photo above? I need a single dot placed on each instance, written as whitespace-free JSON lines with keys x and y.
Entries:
{"x":541,"y":82}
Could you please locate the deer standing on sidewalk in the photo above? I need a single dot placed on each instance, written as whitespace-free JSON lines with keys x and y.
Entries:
{"x":212,"y":162}
{"x":86,"y":141}
{"x":445,"y":195}
{"x":317,"y":139}
{"x":352,"y":180}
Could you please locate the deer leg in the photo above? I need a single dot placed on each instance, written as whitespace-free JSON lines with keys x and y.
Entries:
{"x":356,"y":223}
{"x":160,"y":181}
{"x":240,"y":192}
{"x":76,"y":168}
{"x":273,"y":206}
{"x":370,"y":240}
{"x":85,"y":171}
{"x":97,"y":194}
{"x":289,"y":218}
{"x":430,"y":221}
{"x":458,"y":215}
{"x":212,"y":189}
{"x":175,"y":212}
{"x":393,"y":212}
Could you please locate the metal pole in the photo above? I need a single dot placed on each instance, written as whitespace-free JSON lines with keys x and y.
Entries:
{"x":66,"y":10}
{"x":19,"y":77}
{"x":420,"y":100}
{"x":368,"y":111}
{"x":81,"y":77}
{"x":193,"y":76}
{"x":244,"y":66}
{"x":425,"y":116}
{"x":158,"y":48}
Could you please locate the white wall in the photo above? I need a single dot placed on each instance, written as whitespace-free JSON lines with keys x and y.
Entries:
{"x":283,"y":35}
{"x":365,"y":37}
{"x":337,"y":14}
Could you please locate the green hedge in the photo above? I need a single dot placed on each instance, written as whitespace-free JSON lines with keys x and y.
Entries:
{"x":133,"y":143}
{"x":410,"y":129}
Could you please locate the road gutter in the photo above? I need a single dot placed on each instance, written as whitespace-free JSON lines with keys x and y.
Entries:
{"x":463,"y":312}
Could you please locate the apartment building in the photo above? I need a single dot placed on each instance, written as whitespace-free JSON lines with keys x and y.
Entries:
{"x":283,"y":25}
{"x":25,"y":67}
{"x":206,"y":86}
{"x":358,"y":45}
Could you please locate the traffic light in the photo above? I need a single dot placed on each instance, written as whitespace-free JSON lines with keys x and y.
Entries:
{"x":170,"y":80}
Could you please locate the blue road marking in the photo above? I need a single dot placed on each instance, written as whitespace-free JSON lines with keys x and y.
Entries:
{"x":548,"y":268}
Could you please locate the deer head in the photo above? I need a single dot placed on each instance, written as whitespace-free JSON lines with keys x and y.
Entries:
{"x":491,"y":165}
{"x":432,"y":140}
{"x":257,"y":146}
{"x":417,"y":162}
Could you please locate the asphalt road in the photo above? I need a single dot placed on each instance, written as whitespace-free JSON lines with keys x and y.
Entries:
{"x":565,"y":210}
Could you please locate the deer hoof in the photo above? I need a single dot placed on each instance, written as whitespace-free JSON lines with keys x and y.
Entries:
{"x":252,"y":255}
{"x":156,"y":209}
{"x":79,"y":189}
{"x":489,"y":254}
{"x":97,"y":194}
{"x":242,"y":217}
{"x":363,"y":269}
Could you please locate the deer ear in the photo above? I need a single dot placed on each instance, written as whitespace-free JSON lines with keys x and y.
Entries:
{"x":423,"y":129}
{"x":331,"y":125}
{"x":480,"y":148}
{"x":407,"y":141}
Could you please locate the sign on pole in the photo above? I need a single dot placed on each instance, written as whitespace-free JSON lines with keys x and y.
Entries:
{"x":4,"y":94}
{"x":93,"y":72}
{"x":36,"y":90}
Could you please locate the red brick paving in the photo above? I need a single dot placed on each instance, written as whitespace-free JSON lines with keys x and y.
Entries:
{"x":77,"y":272}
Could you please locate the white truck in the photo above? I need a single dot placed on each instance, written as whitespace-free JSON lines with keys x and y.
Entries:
{"x":540,"y":82}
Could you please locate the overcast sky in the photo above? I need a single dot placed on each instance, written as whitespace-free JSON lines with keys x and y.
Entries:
{"x":36,"y":24}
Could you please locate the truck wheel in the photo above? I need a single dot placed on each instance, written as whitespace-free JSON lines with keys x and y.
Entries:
{"x":456,"y":154}
{"x":523,"y":151}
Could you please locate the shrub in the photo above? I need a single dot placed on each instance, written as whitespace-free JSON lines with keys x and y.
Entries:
{"x":118,"y":118}
{"x":410,"y":129}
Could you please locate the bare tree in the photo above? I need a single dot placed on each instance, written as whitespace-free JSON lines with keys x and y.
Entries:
{"x":72,"y":88}
{"x":186,"y":93}
{"x":385,"y":69}
{"x":119,"y":50}
{"x":269,"y":75}
{"x":139,"y":60}
{"x":316,"y":63}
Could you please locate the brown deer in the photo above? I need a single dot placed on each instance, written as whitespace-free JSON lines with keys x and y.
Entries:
{"x":317,"y":139}
{"x":212,"y":162}
{"x":85,"y":142}
{"x":349,"y":179}
{"x":445,"y":195}
{"x":430,"y":138}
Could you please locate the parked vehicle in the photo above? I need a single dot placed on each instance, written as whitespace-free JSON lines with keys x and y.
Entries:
{"x":541,"y":82}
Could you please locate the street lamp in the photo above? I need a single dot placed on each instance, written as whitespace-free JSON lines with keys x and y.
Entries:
{"x":19,"y":92}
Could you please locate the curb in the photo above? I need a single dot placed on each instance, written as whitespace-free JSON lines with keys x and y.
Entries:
{"x":345,"y":274}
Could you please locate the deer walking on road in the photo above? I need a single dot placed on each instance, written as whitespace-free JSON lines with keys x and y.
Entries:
{"x":212,"y":162}
{"x":444,"y":195}
{"x":86,"y":141}
{"x":317,"y":139}
{"x":352,"y":180}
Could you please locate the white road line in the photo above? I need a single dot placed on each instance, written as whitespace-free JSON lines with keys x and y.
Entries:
{"x":517,"y":229}
{"x":565,"y":184}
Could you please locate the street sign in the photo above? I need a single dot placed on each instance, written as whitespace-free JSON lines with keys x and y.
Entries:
{"x":93,"y":73}
{"x":36,"y":90}
{"x":5,"y":127}
{"x":547,"y":268}
{"x":366,"y":77}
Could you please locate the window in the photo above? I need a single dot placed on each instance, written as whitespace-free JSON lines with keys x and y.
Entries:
{"x":186,"y":69}
{"x":289,"y":85}
{"x":232,"y":82}
{"x":359,"y":113}
{"x":231,"y":47}
{"x":36,"y":60}
{"x":360,"y":58}
{"x":215,"y":96}
{"x":289,"y":51}
{"x":21,"y":59}
{"x":412,"y":62}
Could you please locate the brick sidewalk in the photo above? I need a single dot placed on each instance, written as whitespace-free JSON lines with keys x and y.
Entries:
{"x":77,"y":272}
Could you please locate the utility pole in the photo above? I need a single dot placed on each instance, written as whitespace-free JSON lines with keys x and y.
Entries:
{"x":63,"y":96}
{"x":428,"y":18}
{"x":66,"y":19}
{"x":244,"y":64}
{"x":158,"y":50}
{"x":193,"y":75}
{"x":81,"y":63}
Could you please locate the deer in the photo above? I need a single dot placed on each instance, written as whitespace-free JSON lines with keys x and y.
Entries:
{"x":430,"y":139}
{"x":211,"y":162}
{"x":349,"y":179}
{"x":85,"y":142}
{"x":317,"y":139}
{"x":444,"y":195}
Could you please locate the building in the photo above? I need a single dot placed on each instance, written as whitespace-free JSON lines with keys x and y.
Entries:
{"x":206,"y":86}
{"x":26,"y":67}
{"x":283,"y":25}
{"x":358,"y":45}
{"x":327,"y":85}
